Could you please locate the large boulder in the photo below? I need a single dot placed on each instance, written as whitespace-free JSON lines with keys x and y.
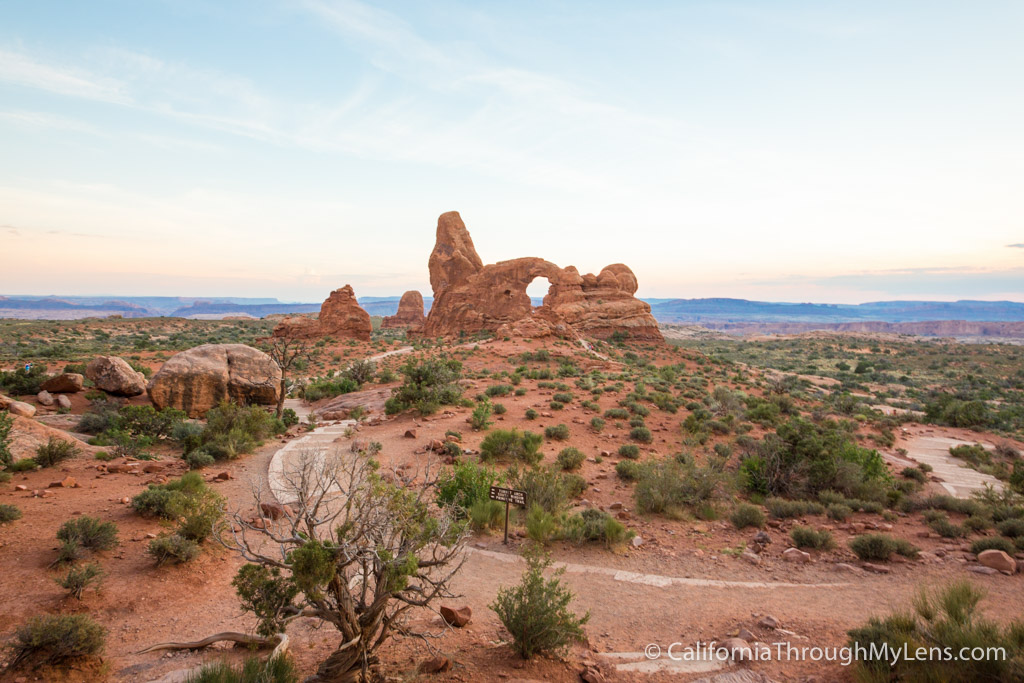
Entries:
{"x":17,"y":407}
{"x":341,"y":317}
{"x":64,"y":383}
{"x":997,"y":559}
{"x":471,"y":297}
{"x":200,"y":378}
{"x":115,"y":376}
{"x":410,"y":312}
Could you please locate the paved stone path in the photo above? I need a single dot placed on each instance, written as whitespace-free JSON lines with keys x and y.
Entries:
{"x":957,"y":478}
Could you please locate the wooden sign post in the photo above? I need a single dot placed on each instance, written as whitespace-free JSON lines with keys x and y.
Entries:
{"x":508,"y":497}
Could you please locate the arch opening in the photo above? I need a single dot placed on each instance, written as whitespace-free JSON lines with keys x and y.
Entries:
{"x":538,"y":290}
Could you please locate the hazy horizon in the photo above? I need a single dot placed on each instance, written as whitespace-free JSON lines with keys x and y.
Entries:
{"x":828,"y":153}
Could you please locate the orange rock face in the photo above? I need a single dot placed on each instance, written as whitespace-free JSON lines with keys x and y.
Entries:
{"x":410,"y":312}
{"x":472,"y":297}
{"x":340,"y":316}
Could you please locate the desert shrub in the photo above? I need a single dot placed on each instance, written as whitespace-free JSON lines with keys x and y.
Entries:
{"x":279,"y":669}
{"x":147,"y":421}
{"x":556,"y":432}
{"x":23,"y":465}
{"x":628,"y":470}
{"x":541,"y":525}
{"x":360,"y":371}
{"x":641,"y":434}
{"x":629,"y":450}
{"x":195,"y":506}
{"x":486,"y":514}
{"x":570,"y":458}
{"x":172,"y":548}
{"x":547,"y":488}
{"x":667,"y":487}
{"x":22,"y":382}
{"x":427,"y":384}
{"x":993,"y":543}
{"x":945,"y":528}
{"x":977,"y":524}
{"x":289,"y":417}
{"x":555,"y":405}
{"x":1014,"y":527}
{"x":6,"y":422}
{"x":945,"y":620}
{"x":780,"y":508}
{"x":499,"y":408}
{"x":806,"y":537}
{"x":54,"y":452}
{"x":199,"y":459}
{"x":595,"y":525}
{"x":481,"y":417}
{"x":328,"y":387}
{"x":839,"y":512}
{"x":498,"y":390}
{"x":745,"y":515}
{"x":948,"y":410}
{"x":56,"y":639}
{"x":9,"y":513}
{"x":68,"y":552}
{"x":562,"y":397}
{"x":597,"y":424}
{"x":232,"y":430}
{"x":536,"y":612}
{"x":79,"y":578}
{"x":465,"y":484}
{"x":88,"y":532}
{"x":511,"y":444}
{"x":531,"y":414}
{"x":189,"y":435}
{"x":881,"y":546}
{"x":914,"y":473}
{"x":616,"y":414}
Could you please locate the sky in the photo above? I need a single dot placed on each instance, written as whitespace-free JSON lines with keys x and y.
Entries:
{"x":782,"y":151}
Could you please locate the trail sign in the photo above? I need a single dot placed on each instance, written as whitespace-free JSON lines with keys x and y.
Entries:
{"x":508,"y":497}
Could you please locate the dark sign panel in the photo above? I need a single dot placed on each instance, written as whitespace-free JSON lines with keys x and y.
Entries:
{"x":512,"y":496}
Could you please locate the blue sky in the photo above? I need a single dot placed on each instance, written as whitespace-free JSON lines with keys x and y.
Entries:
{"x":805,"y":151}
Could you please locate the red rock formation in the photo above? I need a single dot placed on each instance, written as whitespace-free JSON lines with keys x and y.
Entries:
{"x":472,"y":297}
{"x":410,"y":312}
{"x":341,"y":317}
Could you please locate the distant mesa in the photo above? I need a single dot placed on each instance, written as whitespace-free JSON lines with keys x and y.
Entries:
{"x":410,"y":312}
{"x":472,"y":297}
{"x":341,"y":317}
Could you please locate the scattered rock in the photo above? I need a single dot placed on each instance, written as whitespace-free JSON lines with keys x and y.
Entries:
{"x":637,"y":541}
{"x":998,"y":560}
{"x":875,"y":568}
{"x":769,"y":622}
{"x":796,"y":555}
{"x":223,"y":476}
{"x":275,"y":510}
{"x":410,"y":434}
{"x":17,"y":407}
{"x":980,"y":569}
{"x":64,"y":383}
{"x":456,"y":616}
{"x":738,"y":649}
{"x":198,"y":379}
{"x":44,"y":398}
{"x":751,"y":557}
{"x":434,"y":665}
{"x":63,"y":402}
{"x":115,"y":376}
{"x":591,"y":674}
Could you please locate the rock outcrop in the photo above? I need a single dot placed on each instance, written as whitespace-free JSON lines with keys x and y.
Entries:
{"x":64,"y":383}
{"x":15,"y":407}
{"x":472,"y":297}
{"x":200,"y":378}
{"x":114,"y":376}
{"x":341,"y":317}
{"x":410,"y":312}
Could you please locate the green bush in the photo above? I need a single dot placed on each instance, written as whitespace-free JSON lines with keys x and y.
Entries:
{"x":427,"y":384}
{"x":465,"y":484}
{"x":511,"y":444}
{"x":540,"y":524}
{"x":23,"y":465}
{"x":56,"y":639}
{"x":498,"y":390}
{"x":232,"y":430}
{"x":945,"y":528}
{"x":280,"y":669}
{"x":22,"y":382}
{"x":195,"y":506}
{"x":806,"y":537}
{"x":629,"y":450}
{"x":481,"y":417}
{"x":641,"y":434}
{"x":328,"y":387}
{"x":616,"y":414}
{"x":360,"y":371}
{"x":199,"y":459}
{"x":943,"y":621}
{"x":9,"y":513}
{"x":557,"y":432}
{"x":54,"y":452}
{"x":839,"y":512}
{"x":79,"y":578}
{"x":597,"y":424}
{"x":536,"y":612}
{"x":88,"y":532}
{"x":628,"y":470}
{"x":745,"y":515}
{"x":881,"y":547}
{"x":570,"y":458}
{"x":486,"y":514}
{"x":595,"y":525}
{"x":500,"y":409}
{"x":780,"y":508}
{"x":993,"y":543}
{"x":667,"y":487}
{"x":531,"y":414}
{"x":547,"y":488}
{"x":6,"y":422}
{"x":173,"y":549}
{"x":562,"y":397}
{"x":1014,"y":528}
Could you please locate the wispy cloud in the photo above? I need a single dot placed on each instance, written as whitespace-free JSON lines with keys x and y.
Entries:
{"x":10,"y":230}
{"x":23,"y":70}
{"x":1018,"y":245}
